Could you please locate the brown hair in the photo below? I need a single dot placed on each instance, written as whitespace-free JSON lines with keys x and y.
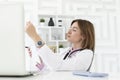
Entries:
{"x":87,"y":30}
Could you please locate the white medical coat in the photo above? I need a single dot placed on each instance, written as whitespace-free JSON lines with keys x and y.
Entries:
{"x":81,"y":60}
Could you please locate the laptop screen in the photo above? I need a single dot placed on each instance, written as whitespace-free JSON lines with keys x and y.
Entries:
{"x":12,"y":55}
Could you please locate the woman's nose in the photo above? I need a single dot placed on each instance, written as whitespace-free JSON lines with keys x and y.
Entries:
{"x":69,"y":31}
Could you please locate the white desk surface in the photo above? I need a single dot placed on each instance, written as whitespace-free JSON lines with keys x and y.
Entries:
{"x":61,"y":76}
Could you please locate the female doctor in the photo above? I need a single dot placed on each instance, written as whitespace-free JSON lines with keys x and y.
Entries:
{"x":80,"y":54}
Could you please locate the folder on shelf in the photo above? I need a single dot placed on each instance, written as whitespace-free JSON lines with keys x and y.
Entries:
{"x":90,"y":74}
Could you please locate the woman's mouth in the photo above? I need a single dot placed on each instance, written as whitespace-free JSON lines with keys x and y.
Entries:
{"x":68,"y":35}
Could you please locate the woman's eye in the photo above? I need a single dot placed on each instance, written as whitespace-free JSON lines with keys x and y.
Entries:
{"x":74,"y":29}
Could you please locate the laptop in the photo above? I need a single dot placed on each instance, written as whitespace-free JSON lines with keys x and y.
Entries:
{"x":12,"y":42}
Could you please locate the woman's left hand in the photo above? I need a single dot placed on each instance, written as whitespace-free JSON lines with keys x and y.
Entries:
{"x":31,"y":31}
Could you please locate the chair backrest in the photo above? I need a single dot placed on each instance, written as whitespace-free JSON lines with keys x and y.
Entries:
{"x":91,"y":63}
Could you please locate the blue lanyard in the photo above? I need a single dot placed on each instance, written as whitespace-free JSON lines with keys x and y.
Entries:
{"x":69,"y":53}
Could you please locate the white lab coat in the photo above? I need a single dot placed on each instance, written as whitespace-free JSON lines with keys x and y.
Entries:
{"x":81,"y":60}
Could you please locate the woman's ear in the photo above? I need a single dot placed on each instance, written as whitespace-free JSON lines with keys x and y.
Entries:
{"x":82,"y":37}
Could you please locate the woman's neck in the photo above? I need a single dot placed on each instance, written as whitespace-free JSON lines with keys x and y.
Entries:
{"x":76,"y":46}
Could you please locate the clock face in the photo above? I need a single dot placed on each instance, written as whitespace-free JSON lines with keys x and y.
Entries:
{"x":39,"y":42}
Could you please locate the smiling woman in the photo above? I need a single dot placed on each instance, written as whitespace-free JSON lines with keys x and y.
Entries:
{"x":78,"y":57}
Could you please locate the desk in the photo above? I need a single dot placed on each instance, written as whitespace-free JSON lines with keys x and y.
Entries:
{"x":61,"y":76}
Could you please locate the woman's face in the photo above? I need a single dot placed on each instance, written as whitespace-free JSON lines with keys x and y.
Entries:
{"x":74,"y":33}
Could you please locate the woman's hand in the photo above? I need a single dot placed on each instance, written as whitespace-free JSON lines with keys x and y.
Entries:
{"x":40,"y":64}
{"x":31,"y":31}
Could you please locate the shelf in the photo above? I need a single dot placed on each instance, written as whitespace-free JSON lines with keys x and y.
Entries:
{"x":54,"y":36}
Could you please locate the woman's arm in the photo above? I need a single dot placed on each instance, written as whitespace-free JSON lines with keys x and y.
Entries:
{"x":44,"y":51}
{"x":31,"y":31}
{"x":80,"y":61}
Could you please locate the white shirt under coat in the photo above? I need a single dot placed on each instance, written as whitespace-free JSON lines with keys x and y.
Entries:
{"x":81,"y":60}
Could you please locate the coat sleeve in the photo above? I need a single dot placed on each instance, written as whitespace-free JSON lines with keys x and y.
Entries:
{"x":51,"y":59}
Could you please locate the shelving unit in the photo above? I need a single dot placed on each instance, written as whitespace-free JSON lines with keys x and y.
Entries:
{"x":54,"y":36}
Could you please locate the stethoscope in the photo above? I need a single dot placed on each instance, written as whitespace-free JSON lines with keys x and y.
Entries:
{"x":70,"y":52}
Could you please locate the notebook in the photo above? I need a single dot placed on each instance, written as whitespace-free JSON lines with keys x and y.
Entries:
{"x":90,"y":74}
{"x":12,"y":42}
